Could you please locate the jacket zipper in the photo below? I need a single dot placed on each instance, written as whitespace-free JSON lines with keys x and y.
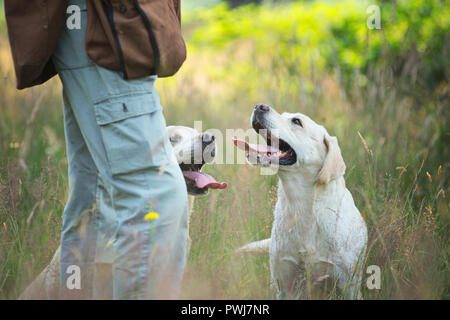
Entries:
{"x":154,"y":44}
{"x":116,"y":39}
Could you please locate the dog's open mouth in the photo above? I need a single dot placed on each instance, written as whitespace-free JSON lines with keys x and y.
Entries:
{"x":283,"y":154}
{"x":200,"y":181}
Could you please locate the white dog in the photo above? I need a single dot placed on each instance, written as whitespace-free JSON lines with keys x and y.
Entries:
{"x":318,"y":233}
{"x":192,"y":150}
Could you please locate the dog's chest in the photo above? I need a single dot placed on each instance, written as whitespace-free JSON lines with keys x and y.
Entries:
{"x":294,"y":231}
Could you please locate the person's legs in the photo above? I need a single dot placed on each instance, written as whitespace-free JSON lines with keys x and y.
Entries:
{"x":129,"y":169}
{"x":78,"y":236}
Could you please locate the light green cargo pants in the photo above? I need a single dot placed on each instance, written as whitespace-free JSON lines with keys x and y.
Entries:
{"x":121,"y":166}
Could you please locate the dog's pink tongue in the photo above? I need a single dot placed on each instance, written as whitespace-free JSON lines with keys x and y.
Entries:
{"x":244,"y":145}
{"x":203,"y":180}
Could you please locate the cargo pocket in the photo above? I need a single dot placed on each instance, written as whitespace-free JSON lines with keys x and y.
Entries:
{"x":134,"y":132}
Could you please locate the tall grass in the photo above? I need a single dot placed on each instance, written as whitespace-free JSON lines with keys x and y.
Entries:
{"x":394,"y":142}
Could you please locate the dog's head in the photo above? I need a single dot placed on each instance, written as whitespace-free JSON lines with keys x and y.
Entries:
{"x":192,"y":150}
{"x":294,"y":143}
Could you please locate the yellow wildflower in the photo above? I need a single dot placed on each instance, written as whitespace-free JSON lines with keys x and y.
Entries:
{"x":151,"y":216}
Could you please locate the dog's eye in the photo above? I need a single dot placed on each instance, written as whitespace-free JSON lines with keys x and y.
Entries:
{"x":174,"y":139}
{"x":297,"y":121}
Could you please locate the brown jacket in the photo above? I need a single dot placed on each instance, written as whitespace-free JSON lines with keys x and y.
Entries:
{"x":137,"y":37}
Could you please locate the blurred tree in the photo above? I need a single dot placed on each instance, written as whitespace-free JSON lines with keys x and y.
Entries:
{"x":237,"y":3}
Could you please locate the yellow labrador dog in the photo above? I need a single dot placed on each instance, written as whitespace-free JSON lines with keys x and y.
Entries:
{"x":192,"y":150}
{"x":318,"y":235}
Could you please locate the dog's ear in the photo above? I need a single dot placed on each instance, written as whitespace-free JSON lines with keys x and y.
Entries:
{"x":333,"y":166}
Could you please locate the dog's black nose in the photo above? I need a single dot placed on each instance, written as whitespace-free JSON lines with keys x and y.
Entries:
{"x":208,"y":138}
{"x":262,"y":107}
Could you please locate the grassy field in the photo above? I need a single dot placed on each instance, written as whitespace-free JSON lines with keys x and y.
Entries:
{"x":383,"y":93}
